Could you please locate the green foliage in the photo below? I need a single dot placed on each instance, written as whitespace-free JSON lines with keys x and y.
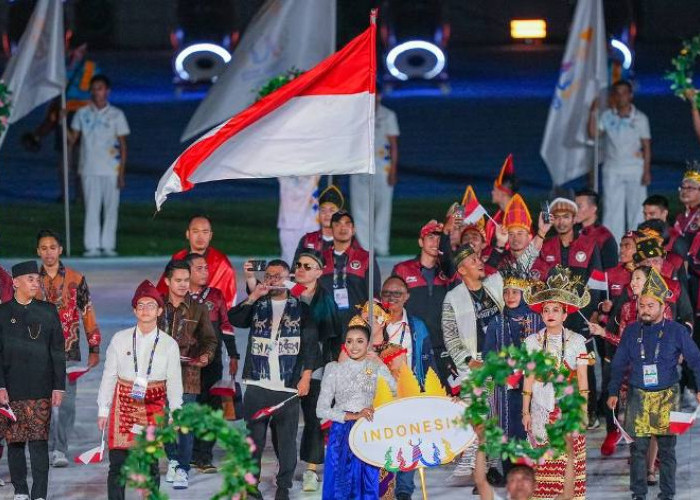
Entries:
{"x":237,"y":468}
{"x":495,"y":371}
{"x":682,"y":75}
{"x":278,"y":82}
{"x":5,"y":106}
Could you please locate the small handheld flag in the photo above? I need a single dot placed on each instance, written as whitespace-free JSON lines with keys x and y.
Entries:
{"x":624,"y":436}
{"x":223,"y":388}
{"x":270,"y":410}
{"x":75,"y":372}
{"x":680,"y":422}
{"x":6,"y":411}
{"x":473,"y":211}
{"x":93,"y":455}
{"x":598,"y":281}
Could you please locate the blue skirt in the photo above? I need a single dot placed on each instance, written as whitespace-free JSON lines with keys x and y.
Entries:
{"x":346,"y":477}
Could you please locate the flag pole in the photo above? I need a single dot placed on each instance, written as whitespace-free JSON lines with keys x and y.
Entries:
{"x":370,"y":291}
{"x":66,"y":201}
{"x":596,"y":150}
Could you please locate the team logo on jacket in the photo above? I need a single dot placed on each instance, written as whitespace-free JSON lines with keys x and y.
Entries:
{"x":580,"y":256}
{"x":549,"y":258}
{"x":355,"y":264}
{"x":411,"y":279}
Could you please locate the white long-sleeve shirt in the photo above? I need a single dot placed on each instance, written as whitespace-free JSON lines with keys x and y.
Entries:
{"x":120,"y":364}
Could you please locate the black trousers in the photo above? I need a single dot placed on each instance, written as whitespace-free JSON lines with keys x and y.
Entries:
{"x":115,"y":487}
{"x":311,"y":449}
{"x":667,"y":469}
{"x":284,"y":424}
{"x":39,"y":460}
{"x":203,"y":451}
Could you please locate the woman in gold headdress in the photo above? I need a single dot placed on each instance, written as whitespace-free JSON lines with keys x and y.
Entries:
{"x":553,"y":300}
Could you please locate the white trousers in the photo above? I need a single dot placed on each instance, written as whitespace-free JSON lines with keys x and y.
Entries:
{"x":101,"y":196}
{"x":623,"y":195}
{"x":359,"y":202}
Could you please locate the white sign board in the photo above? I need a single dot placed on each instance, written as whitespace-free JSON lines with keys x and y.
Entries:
{"x":420,"y":431}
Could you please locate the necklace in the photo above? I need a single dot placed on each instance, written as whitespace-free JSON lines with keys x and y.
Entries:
{"x":34,"y":337}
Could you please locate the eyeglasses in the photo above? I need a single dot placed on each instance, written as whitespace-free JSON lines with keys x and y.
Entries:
{"x":688,"y":188}
{"x":148,"y":306}
{"x":273,"y":277}
{"x":307,"y":267}
{"x":391,"y":294}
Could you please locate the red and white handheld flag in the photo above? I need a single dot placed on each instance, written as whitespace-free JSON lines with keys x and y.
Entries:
{"x":473,"y":211}
{"x":75,"y":372}
{"x":319,"y":123}
{"x":6,"y":411}
{"x":223,"y":388}
{"x":624,"y":435}
{"x":598,"y":280}
{"x":680,"y":422}
{"x":93,"y":455}
{"x":295,"y":289}
{"x":270,"y":410}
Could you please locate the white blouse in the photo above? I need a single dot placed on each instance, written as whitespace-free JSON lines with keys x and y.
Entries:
{"x":120,"y":364}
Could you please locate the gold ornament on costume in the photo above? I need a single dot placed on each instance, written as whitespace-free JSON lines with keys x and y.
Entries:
{"x":693,"y":173}
{"x":380,"y":313}
{"x":561,"y":286}
{"x":462,"y":253}
{"x":516,"y":278}
{"x":655,"y":287}
{"x":357,"y":320}
{"x":649,"y":244}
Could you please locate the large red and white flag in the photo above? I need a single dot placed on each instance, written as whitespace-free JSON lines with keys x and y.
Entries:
{"x":598,"y":280}
{"x":319,"y":123}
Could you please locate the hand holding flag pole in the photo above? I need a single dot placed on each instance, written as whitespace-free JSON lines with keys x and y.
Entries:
{"x":270,"y":410}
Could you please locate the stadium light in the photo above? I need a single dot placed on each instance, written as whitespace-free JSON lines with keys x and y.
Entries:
{"x":196,"y":48}
{"x":405,"y":49}
{"x":528,"y":29}
{"x":626,"y":52}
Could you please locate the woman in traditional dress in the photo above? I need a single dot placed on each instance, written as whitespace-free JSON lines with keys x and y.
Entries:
{"x":351,"y":384}
{"x":553,"y":301}
{"x":511,"y":327}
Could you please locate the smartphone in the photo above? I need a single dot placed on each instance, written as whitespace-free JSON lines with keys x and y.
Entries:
{"x":258,"y":265}
{"x":545,"y":211}
{"x":459,"y":215}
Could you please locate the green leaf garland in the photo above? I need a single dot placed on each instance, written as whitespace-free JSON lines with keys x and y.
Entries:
{"x":237,"y":468}
{"x":5,"y":106}
{"x":278,"y":82}
{"x":681,"y":76}
{"x":495,"y":371}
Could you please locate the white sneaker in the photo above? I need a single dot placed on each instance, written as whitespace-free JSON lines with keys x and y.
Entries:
{"x":172,"y":469}
{"x":59,"y":459}
{"x":110,"y":253}
{"x":310,"y":481}
{"x":21,"y":497}
{"x":91,"y":254}
{"x":181,"y":482}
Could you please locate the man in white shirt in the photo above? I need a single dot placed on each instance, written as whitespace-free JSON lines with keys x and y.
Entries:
{"x":298,"y":211}
{"x":386,"y":159}
{"x":143,"y":368}
{"x":627,"y":160}
{"x":102,"y":129}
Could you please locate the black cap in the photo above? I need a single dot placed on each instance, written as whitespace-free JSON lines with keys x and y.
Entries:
{"x":340,"y":214}
{"x":26,"y":267}
{"x":315,"y":255}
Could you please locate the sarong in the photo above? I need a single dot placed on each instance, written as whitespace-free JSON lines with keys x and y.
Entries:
{"x":127,"y":412}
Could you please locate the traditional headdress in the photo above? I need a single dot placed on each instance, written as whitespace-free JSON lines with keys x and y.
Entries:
{"x":517,"y":215}
{"x":692,"y":174}
{"x":563,"y":205}
{"x":462,"y":253}
{"x":146,"y":289}
{"x":332,"y":195}
{"x":650,"y":244}
{"x":655,"y":287}
{"x":561,"y":287}
{"x":507,"y":170}
{"x":516,"y":278}
{"x":379,"y":312}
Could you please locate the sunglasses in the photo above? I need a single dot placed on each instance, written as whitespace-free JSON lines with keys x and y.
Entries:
{"x":307,"y":267}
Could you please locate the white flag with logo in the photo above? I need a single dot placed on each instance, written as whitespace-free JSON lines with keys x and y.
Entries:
{"x":37,"y":71}
{"x":283,"y":35}
{"x":582,"y":75}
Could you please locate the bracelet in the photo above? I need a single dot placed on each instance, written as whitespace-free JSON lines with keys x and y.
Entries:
{"x":525,"y":413}
{"x":540,"y":236}
{"x":527,"y":393}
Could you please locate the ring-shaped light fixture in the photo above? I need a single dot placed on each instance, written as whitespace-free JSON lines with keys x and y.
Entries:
{"x":412,"y":45}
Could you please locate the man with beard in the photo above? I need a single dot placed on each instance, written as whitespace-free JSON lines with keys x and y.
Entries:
{"x":428,"y":280}
{"x":650,"y":351}
{"x":280,"y":357}
{"x":346,"y":273}
{"x":214,"y":301}
{"x":221,"y":274}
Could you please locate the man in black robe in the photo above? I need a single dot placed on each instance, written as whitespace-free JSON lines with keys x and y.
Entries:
{"x":32,"y":378}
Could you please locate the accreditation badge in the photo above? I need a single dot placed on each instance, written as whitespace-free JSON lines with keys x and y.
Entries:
{"x":138,"y":390}
{"x":651,"y":375}
{"x":342,"y":300}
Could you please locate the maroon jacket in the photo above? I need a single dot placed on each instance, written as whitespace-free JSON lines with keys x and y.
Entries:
{"x":606,"y":243}
{"x":6,"y":290}
{"x":584,"y":256}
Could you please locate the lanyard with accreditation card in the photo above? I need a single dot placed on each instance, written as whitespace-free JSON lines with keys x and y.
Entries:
{"x":138,"y":390}
{"x":650,"y":372}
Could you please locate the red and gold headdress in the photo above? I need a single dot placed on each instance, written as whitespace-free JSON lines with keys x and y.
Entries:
{"x":507,"y":170}
{"x":517,"y":215}
{"x":562,"y":287}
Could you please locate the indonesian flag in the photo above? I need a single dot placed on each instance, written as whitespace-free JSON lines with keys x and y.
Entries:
{"x":93,"y":455}
{"x":624,"y":435}
{"x":75,"y":372}
{"x":295,"y":289}
{"x":319,"y":123}
{"x":473,"y":211}
{"x":270,"y":410}
{"x":513,"y":381}
{"x":598,"y":280}
{"x":680,"y":422}
{"x":6,"y":411}
{"x":223,"y":388}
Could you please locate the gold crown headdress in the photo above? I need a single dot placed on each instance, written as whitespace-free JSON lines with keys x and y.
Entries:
{"x":516,"y":278}
{"x":561,"y":286}
{"x":655,"y":287}
{"x":692,"y":173}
